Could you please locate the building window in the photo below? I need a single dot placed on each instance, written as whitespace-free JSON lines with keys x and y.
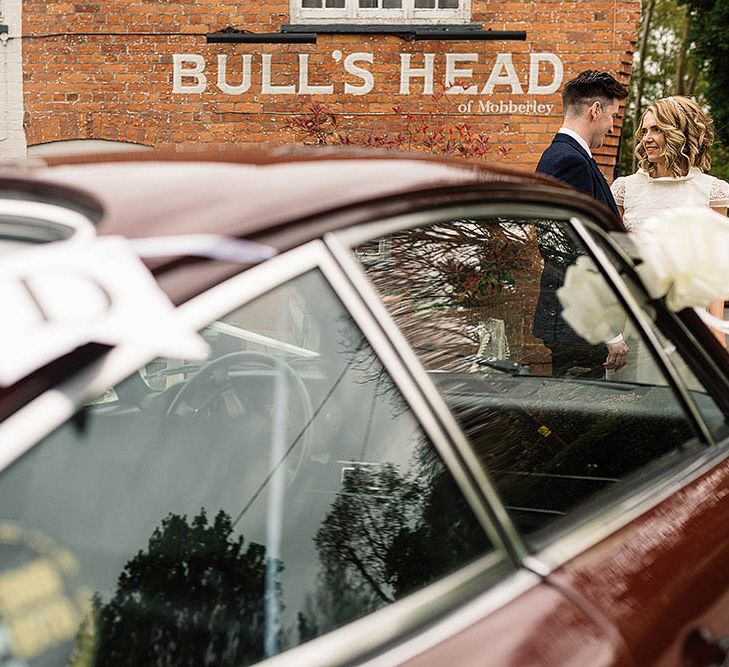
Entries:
{"x":381,"y":11}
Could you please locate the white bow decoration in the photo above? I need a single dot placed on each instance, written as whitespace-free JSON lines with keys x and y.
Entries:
{"x":589,"y":305}
{"x":58,"y":296}
{"x":685,"y":259}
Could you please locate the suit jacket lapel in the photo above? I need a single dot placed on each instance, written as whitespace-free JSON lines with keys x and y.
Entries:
{"x":596,"y":173}
{"x":604,"y":185}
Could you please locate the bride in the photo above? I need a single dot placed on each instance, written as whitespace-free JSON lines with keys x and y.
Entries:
{"x":673,"y":145}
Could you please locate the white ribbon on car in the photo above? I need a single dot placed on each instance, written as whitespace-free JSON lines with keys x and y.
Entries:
{"x":210,"y":246}
{"x":58,"y":296}
{"x":685,"y":260}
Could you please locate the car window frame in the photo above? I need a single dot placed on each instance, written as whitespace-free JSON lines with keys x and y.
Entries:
{"x":629,"y":302}
{"x":680,"y":326}
{"x":496,"y":572}
{"x":610,"y":517}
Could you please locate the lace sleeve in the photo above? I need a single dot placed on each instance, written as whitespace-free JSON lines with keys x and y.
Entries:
{"x":618,"y":190}
{"x":719,"y":195}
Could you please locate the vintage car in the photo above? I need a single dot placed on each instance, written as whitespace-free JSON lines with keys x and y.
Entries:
{"x":288,"y":406}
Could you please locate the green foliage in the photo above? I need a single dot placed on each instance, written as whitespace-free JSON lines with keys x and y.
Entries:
{"x":720,"y":161}
{"x":193,"y":598}
{"x":664,"y":49}
{"x":710,"y":34}
{"x":704,"y":52}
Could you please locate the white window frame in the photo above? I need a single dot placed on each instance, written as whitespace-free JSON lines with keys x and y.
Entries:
{"x":352,"y":14}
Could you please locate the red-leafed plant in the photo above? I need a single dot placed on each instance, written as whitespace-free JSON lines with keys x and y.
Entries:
{"x":318,"y":125}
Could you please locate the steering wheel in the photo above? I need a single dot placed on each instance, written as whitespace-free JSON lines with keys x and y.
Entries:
{"x":232,"y":390}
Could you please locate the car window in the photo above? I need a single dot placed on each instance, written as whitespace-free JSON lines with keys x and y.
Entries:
{"x":558,"y":433}
{"x":221,"y":513}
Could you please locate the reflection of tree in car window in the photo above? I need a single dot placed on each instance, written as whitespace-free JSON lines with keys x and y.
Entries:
{"x":388,"y":533}
{"x":451,"y":288}
{"x":192,"y":598}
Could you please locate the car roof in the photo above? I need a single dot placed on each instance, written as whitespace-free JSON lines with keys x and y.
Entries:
{"x":280,"y":196}
{"x":248,"y":193}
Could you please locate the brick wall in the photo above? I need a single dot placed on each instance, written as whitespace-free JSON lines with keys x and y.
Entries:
{"x":104,"y":70}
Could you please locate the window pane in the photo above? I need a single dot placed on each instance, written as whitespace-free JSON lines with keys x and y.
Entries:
{"x":424,"y":4}
{"x":311,"y":4}
{"x":447,"y":4}
{"x":334,"y":4}
{"x":278,"y":491}
{"x":392,"y":4}
{"x":368,"y":4}
{"x":477,"y":301}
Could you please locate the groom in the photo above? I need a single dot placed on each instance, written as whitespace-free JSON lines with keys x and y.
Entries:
{"x":590,"y":103}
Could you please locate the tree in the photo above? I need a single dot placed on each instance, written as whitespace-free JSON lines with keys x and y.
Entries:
{"x":682,"y":50}
{"x":194,"y":597}
{"x":389,"y":533}
{"x":709,"y":32}
{"x":664,"y":65}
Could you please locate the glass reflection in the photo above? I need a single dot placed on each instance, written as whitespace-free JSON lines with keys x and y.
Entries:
{"x":225,"y":512}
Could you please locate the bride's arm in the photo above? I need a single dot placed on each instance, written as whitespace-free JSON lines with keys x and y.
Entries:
{"x":716,"y":308}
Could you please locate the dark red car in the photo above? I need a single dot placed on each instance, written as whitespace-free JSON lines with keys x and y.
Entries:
{"x":345,"y":444}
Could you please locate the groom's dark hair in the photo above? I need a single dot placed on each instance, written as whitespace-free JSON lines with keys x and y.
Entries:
{"x":589,"y":86}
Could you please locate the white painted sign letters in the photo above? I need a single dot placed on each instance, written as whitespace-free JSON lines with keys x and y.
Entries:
{"x":417,"y":77}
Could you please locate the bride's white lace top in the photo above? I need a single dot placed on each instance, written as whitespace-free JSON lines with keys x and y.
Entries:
{"x":642,"y":196}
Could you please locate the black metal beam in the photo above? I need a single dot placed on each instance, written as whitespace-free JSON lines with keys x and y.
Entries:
{"x":306,"y":34}
{"x":245,"y":36}
{"x":467,"y":31}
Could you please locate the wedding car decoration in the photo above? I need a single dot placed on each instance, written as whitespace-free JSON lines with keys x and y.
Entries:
{"x":684,"y":258}
{"x":589,"y":306}
{"x":685,"y":255}
{"x":65,"y":294}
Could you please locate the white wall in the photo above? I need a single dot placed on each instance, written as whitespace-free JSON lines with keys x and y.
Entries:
{"x":12,"y":135}
{"x":79,"y":146}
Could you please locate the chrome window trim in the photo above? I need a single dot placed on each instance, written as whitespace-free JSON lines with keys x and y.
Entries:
{"x":367,"y":231}
{"x":42,"y":212}
{"x":21,"y":430}
{"x":630,"y":303}
{"x":391,"y":356}
{"x":345,"y":645}
{"x":387,"y":353}
{"x":612,"y":517}
{"x":461,"y":619}
{"x":615,"y":517}
{"x":354,"y":272}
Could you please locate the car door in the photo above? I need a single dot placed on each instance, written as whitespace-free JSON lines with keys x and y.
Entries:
{"x":613,"y":486}
{"x":294,"y":499}
{"x":666,"y":589}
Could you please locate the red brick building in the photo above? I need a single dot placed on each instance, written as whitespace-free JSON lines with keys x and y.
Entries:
{"x":162,"y":73}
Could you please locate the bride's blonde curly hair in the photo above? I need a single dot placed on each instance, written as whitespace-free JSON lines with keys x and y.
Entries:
{"x":689,"y":134}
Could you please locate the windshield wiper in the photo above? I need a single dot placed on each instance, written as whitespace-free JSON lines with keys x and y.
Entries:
{"x":503,"y":365}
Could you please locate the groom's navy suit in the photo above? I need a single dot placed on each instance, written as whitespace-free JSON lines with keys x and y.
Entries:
{"x":567,"y":161}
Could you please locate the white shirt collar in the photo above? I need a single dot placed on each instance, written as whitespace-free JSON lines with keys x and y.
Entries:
{"x":576,"y":137}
